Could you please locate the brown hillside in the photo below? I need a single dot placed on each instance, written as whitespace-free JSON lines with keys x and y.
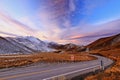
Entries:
{"x":106,"y":43}
{"x":110,"y":48}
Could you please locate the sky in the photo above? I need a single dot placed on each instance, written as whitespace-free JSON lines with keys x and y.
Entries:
{"x":62,"y":21}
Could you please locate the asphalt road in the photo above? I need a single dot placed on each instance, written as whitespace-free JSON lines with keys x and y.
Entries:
{"x":54,"y":71}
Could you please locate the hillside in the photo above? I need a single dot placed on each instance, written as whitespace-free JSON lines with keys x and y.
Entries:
{"x":7,"y":46}
{"x":110,"y":48}
{"x":29,"y":44}
{"x":67,"y":47}
{"x":107,"y":43}
{"x":21,"y":45}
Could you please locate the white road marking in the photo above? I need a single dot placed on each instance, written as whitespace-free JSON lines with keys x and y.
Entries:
{"x":71,"y":72}
{"x":31,"y":73}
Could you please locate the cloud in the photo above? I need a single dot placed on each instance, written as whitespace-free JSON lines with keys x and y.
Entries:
{"x":10,"y":20}
{"x":54,"y":22}
{"x":55,"y":19}
{"x":11,"y":27}
{"x":14,"y":26}
{"x":104,"y":30}
{"x":50,"y":17}
{"x":8,"y":34}
{"x":72,"y":5}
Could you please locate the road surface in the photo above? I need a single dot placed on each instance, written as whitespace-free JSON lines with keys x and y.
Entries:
{"x":59,"y":71}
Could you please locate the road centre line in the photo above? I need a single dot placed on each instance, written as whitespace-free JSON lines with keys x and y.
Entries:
{"x":70,"y":72}
{"x":32,"y":73}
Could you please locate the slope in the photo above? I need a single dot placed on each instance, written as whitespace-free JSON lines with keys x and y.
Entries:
{"x":107,"y":43}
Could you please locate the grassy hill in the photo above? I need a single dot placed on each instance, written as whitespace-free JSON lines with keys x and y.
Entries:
{"x":108,"y":47}
{"x":107,"y":43}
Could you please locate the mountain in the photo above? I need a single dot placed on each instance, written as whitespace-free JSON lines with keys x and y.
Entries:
{"x":7,"y":46}
{"x":107,"y":43}
{"x":73,"y":47}
{"x":29,"y":44}
{"x":33,"y":43}
{"x":66,"y":47}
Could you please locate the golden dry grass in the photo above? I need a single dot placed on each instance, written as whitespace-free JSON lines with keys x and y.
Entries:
{"x":112,"y":73}
{"x":19,"y":60}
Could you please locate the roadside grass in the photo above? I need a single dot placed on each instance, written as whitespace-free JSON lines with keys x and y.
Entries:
{"x":112,"y":73}
{"x":20,"y":60}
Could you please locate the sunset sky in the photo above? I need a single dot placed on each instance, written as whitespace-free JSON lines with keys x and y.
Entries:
{"x":61,"y":21}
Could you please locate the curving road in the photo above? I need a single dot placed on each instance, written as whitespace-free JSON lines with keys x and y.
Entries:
{"x":54,"y":71}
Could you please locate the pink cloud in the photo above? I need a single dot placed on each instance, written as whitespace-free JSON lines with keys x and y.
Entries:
{"x":104,"y":30}
{"x":11,"y":27}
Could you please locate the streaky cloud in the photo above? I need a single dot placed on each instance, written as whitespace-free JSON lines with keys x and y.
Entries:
{"x":8,"y":19}
{"x":9,"y":34}
{"x":107,"y":29}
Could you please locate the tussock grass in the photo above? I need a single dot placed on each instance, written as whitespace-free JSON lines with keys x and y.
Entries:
{"x":112,"y":73}
{"x":19,"y":60}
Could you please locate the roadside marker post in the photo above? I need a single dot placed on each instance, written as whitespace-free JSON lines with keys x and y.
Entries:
{"x":72,"y":57}
{"x":102,"y":65}
{"x":87,"y":50}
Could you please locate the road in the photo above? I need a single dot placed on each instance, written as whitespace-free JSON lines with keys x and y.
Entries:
{"x":47,"y":71}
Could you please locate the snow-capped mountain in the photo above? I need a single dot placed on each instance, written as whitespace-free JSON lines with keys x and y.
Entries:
{"x":26,"y":44}
{"x":33,"y":43}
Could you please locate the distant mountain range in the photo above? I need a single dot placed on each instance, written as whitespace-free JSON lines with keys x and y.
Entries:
{"x":29,"y":44}
{"x":67,"y":47}
{"x":107,"y":43}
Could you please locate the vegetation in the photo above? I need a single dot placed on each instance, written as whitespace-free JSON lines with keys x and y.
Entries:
{"x":19,"y":60}
{"x":112,"y":73}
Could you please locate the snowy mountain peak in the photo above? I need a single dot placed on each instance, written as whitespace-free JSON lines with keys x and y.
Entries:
{"x":32,"y":39}
{"x":27,"y":44}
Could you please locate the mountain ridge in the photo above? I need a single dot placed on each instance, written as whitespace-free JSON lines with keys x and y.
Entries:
{"x":106,"y":43}
{"x":11,"y":45}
